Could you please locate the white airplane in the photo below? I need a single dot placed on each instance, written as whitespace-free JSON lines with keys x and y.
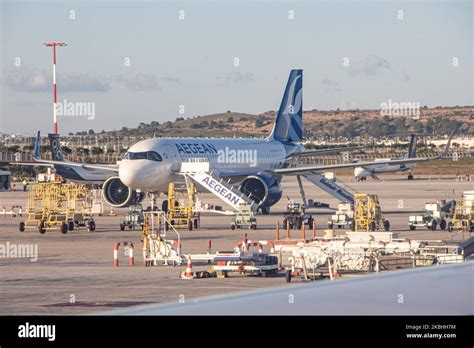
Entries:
{"x":82,"y":172}
{"x":257,"y":165}
{"x":386,"y":166}
{"x":61,"y":166}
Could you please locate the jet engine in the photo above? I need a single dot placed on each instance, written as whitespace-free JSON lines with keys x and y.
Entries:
{"x":118,"y":195}
{"x":263,"y":189}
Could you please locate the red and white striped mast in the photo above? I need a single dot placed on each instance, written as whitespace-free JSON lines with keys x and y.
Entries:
{"x":53,"y":45}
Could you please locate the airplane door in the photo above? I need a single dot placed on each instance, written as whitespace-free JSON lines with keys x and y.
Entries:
{"x":173,"y":156}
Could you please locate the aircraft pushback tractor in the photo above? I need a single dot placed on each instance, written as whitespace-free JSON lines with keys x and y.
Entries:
{"x":150,"y":165}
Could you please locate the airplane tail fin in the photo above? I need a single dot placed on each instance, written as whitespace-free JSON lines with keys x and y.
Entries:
{"x":448,"y":144}
{"x":54,"y":140}
{"x":412,"y":146}
{"x":37,"y":148}
{"x":289,"y":121}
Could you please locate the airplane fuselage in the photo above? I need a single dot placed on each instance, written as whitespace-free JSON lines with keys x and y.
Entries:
{"x":363,"y":172}
{"x":229,"y":158}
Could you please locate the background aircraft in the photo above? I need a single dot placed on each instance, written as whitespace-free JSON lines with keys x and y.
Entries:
{"x":362,"y":172}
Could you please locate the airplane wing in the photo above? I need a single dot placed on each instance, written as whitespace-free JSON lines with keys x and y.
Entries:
{"x":111,"y":167}
{"x":33,"y":164}
{"x":328,"y":151}
{"x":48,"y":163}
{"x":308,"y":169}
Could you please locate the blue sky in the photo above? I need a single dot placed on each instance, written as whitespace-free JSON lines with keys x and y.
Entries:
{"x":190,"y":62}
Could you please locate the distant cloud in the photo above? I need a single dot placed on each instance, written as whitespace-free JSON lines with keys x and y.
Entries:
{"x":27,"y":80}
{"x":83,"y":83}
{"x":36,"y":80}
{"x":146,"y":82}
{"x":234,"y":77}
{"x":330,"y":85}
{"x":369,"y":66}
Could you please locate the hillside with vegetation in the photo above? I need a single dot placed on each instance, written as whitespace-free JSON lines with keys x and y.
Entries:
{"x":317,"y":124}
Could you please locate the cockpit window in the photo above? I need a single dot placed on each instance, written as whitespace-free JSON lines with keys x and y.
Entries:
{"x":149,"y":155}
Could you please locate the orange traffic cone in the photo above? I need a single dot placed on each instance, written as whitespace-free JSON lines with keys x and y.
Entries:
{"x":188,"y":274}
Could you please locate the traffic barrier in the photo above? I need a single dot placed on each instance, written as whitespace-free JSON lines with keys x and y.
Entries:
{"x":277,"y":231}
{"x":209,"y":245}
{"x":131,"y":259}
{"x":269,"y":243}
{"x":245,"y":241}
{"x":245,"y":244}
{"x":12,"y":212}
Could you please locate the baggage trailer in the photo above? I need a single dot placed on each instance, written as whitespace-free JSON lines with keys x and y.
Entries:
{"x":58,"y":206}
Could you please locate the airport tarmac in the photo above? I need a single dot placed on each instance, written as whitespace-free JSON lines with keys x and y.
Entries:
{"x":74,"y":273}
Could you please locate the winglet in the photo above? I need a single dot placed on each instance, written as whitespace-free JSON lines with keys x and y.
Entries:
{"x":37,"y":148}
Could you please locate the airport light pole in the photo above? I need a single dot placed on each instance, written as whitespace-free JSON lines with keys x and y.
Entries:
{"x":53,"y":45}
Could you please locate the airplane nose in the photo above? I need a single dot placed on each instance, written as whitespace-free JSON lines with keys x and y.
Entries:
{"x":132,"y":173}
{"x":359,"y":172}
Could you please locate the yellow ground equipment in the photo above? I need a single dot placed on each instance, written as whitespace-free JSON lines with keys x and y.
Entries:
{"x":180,"y":206}
{"x":58,"y":206}
{"x":368,"y":214}
{"x":462,"y":219}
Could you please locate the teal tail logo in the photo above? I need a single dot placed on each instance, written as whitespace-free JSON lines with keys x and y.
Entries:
{"x":55,"y":143}
{"x":289,"y":121}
